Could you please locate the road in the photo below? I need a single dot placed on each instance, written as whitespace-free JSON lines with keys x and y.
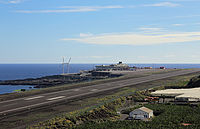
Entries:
{"x":31,"y":102}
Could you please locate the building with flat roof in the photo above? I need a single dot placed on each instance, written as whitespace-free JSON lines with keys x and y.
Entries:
{"x":189,"y":95}
{"x":113,"y":67}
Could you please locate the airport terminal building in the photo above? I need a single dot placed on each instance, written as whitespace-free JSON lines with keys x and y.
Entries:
{"x":113,"y":67}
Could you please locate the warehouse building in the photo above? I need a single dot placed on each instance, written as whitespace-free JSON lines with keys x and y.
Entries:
{"x":185,"y":95}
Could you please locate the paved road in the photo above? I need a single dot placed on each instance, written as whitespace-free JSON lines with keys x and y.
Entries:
{"x":22,"y":104}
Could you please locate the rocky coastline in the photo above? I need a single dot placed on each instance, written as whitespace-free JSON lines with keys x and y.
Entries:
{"x":55,"y":80}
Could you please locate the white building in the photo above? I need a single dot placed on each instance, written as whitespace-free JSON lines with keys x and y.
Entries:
{"x":141,"y":113}
{"x":115,"y":67}
{"x":188,"y":95}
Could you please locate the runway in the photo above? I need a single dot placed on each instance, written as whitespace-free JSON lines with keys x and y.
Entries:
{"x":31,"y":102}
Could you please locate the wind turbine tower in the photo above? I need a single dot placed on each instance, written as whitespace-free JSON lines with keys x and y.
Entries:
{"x":63,"y":65}
{"x":68,"y":65}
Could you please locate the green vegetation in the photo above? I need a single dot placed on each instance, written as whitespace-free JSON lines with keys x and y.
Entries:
{"x":75,"y":109}
{"x":166,"y":117}
{"x":104,"y":115}
{"x":17,"y":90}
{"x":101,"y":113}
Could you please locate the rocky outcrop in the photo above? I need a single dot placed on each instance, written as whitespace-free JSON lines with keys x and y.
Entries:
{"x":49,"y":81}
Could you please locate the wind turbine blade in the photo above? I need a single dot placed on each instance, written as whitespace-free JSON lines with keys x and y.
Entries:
{"x":68,"y":65}
{"x":69,"y":60}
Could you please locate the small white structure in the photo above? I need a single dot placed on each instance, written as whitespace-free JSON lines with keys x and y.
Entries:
{"x":141,"y":113}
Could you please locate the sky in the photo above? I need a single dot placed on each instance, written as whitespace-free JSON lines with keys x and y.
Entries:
{"x":100,"y":31}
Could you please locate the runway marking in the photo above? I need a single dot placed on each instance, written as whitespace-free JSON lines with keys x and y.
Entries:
{"x":36,"y":97}
{"x":94,"y":89}
{"x":59,"y":97}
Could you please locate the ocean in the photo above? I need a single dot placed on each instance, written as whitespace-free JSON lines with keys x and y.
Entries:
{"x":22,"y":71}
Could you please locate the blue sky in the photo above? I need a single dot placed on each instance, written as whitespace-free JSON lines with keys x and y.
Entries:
{"x":100,"y":31}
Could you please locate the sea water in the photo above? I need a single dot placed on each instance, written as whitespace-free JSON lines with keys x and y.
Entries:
{"x":22,"y":71}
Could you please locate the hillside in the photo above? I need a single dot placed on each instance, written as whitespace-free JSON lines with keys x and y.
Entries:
{"x":194,"y":82}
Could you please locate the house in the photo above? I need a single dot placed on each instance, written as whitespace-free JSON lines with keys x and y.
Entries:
{"x":141,"y":113}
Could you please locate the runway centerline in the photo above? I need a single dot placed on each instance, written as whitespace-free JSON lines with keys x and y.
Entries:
{"x":36,"y":97}
{"x":59,"y":97}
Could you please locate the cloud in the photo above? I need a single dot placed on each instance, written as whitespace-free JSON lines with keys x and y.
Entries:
{"x":71,"y":9}
{"x":151,"y":29}
{"x":93,"y":7}
{"x":15,"y":1}
{"x":56,"y":11}
{"x":163,"y":4}
{"x":11,"y":1}
{"x":137,"y":39}
{"x":178,"y":24}
{"x":85,"y":34}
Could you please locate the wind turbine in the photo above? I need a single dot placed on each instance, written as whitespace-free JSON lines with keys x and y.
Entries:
{"x":63,"y":65}
{"x":68,"y":65}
